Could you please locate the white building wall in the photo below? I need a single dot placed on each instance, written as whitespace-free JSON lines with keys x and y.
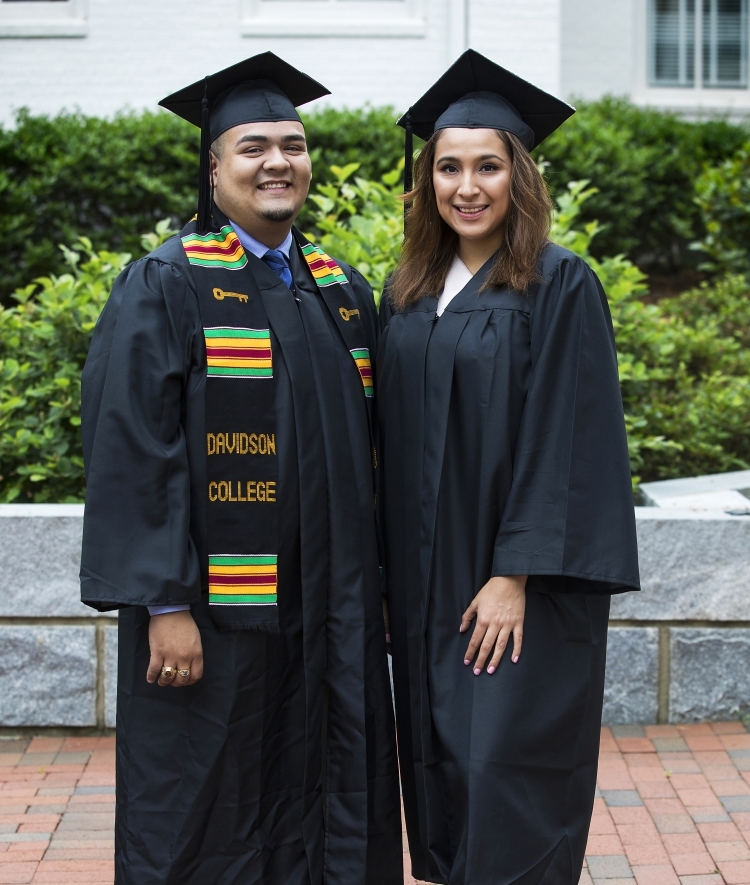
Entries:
{"x":521,"y":36}
{"x":598,"y":47}
{"x":604,"y":49}
{"x":134,"y":52}
{"x":137,"y":51}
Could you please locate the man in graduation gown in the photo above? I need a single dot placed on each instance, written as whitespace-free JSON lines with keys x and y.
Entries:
{"x":227,"y":428}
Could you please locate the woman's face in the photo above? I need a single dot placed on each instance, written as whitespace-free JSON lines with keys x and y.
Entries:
{"x":471,"y":177}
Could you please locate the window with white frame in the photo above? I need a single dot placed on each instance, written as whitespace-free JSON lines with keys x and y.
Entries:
{"x":333,"y":18}
{"x":698,"y":43}
{"x":43,"y":18}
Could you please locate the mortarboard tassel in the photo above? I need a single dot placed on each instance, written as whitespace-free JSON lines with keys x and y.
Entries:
{"x":408,"y":160}
{"x":205,"y":190}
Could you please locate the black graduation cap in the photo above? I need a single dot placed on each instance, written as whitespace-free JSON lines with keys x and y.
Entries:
{"x":260,"y":89}
{"x":476,"y":93}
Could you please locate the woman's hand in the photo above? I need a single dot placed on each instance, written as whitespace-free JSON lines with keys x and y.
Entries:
{"x":175,"y":641}
{"x":499,"y":609}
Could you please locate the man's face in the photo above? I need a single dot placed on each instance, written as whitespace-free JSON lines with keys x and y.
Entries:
{"x":261,"y":175}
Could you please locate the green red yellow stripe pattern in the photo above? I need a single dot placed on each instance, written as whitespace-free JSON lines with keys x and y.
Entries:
{"x":324,"y":269}
{"x":238,"y":353}
{"x":222,"y":249}
{"x":242,"y":580}
{"x":362,"y":359}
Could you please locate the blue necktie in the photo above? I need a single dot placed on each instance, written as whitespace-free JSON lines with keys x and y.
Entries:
{"x":276,"y":260}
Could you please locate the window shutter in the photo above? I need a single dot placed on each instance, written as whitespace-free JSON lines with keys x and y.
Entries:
{"x":725,"y":38}
{"x":672,"y":39}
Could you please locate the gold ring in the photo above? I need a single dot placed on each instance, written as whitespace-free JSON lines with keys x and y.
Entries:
{"x":168,"y":672}
{"x":183,"y":672}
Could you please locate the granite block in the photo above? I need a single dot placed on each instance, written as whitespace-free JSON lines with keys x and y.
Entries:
{"x":694,"y":566}
{"x":653,"y":492}
{"x":710,"y":673}
{"x":40,"y":557}
{"x":47,"y":675}
{"x":632,"y":681}
{"x":110,"y":676}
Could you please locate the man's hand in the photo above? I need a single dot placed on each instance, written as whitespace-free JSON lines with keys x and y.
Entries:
{"x":499,"y":608}
{"x":175,"y":641}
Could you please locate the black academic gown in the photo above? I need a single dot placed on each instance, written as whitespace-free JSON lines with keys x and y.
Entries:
{"x":504,"y":452}
{"x":278,"y":767}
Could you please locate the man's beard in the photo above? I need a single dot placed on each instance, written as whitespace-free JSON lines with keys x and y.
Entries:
{"x":279,"y":214}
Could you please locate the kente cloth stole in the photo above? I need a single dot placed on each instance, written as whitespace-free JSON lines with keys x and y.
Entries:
{"x":241,"y":431}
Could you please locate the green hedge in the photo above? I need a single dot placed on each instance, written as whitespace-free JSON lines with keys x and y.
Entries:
{"x":70,"y":176}
{"x":110,"y":180}
{"x":723,"y":197}
{"x":645,"y":164}
{"x":684,"y":363}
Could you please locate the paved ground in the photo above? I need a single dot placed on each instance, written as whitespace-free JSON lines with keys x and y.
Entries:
{"x":673,"y":809}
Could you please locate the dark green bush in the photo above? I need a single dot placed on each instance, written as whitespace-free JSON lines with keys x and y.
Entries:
{"x":684,"y":363}
{"x":645,"y":164}
{"x":72,"y":176}
{"x":44,"y":340}
{"x":367,"y":136}
{"x":110,"y":180}
{"x":685,"y":373}
{"x":722,"y":194}
{"x":43,"y":344}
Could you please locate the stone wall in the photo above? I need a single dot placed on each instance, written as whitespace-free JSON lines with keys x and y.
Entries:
{"x":58,"y":658}
{"x":679,"y":651}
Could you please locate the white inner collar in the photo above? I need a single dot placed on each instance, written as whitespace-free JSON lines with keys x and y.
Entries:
{"x":458,"y":276}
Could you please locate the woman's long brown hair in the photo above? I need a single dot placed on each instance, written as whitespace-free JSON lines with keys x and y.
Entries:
{"x":430,"y":244}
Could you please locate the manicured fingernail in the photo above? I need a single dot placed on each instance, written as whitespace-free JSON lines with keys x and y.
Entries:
{"x":515,"y":659}
{"x":461,"y":628}
{"x":477,"y":671}
{"x":466,"y":662}
{"x":490,"y":670}
{"x":387,"y":637}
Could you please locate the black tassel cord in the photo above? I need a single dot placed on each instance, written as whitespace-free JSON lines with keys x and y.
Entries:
{"x":205,"y":187}
{"x":408,"y":162}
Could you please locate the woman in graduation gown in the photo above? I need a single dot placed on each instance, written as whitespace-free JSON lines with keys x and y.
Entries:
{"x":507,"y":501}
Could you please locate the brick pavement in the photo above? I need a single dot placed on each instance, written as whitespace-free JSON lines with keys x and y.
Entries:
{"x":673,"y":808}
{"x":57,"y":811}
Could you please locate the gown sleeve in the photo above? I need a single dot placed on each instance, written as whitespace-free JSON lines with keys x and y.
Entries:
{"x":137,"y":548}
{"x":569,"y":521}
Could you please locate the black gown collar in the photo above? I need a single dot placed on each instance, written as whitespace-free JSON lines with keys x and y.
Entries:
{"x":470,"y":298}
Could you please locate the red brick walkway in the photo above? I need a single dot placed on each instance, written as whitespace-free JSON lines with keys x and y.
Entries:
{"x":57,"y":811}
{"x":674,"y":809}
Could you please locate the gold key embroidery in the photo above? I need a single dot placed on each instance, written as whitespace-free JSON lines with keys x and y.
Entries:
{"x":220,"y":295}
